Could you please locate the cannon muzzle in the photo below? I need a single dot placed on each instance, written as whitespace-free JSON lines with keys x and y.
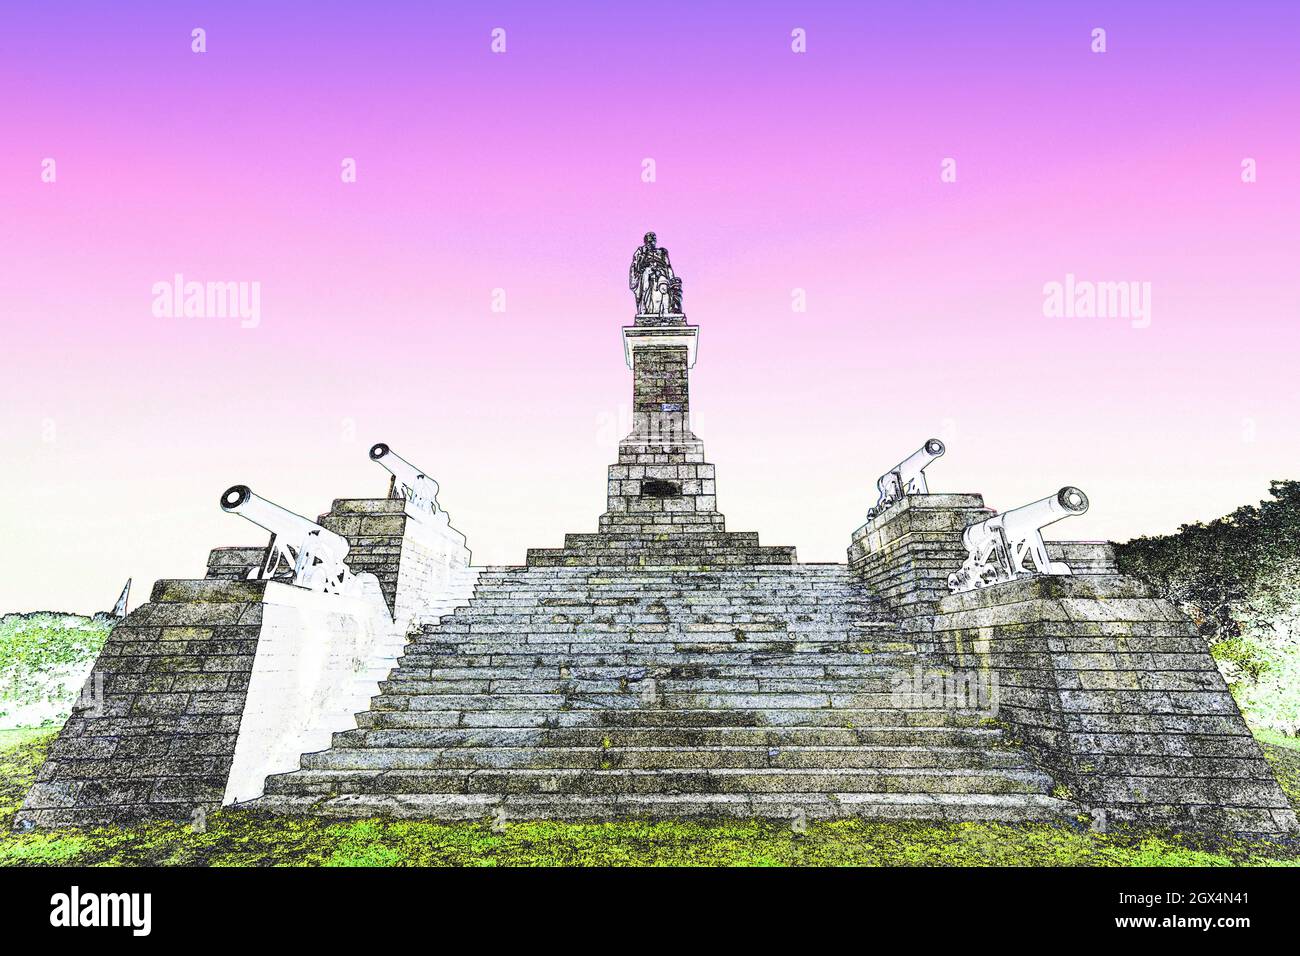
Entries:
{"x":234,"y":496}
{"x":419,"y":489}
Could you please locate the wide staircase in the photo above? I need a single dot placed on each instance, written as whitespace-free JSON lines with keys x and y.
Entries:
{"x":587,"y":693}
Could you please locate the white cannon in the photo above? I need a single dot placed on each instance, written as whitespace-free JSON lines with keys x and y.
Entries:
{"x":417,"y":487}
{"x":907,"y":477}
{"x":997,"y":546}
{"x":314,"y":554}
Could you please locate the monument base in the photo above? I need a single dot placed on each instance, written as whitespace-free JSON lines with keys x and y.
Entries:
{"x":1118,"y":697}
{"x":662,"y":512}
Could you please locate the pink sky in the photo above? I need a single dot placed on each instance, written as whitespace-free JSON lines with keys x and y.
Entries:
{"x":522,"y":172}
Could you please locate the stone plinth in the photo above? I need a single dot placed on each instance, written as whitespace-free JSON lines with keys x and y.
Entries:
{"x":693,"y":551}
{"x":906,"y":554}
{"x":1085,"y":557}
{"x":320,"y":658}
{"x":422,"y":562}
{"x":661,"y":503}
{"x":234,"y":564}
{"x":1119,"y":698}
{"x":662,"y":489}
{"x":154,"y":734}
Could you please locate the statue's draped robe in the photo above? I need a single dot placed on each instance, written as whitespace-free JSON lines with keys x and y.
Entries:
{"x":648,"y":266}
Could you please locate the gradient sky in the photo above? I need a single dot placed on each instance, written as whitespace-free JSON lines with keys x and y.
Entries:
{"x":522,"y":171}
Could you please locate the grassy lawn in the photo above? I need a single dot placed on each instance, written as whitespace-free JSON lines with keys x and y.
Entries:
{"x":240,"y":838}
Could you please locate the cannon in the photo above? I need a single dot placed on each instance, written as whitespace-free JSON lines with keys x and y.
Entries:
{"x":996,"y":548}
{"x":907,"y":477}
{"x":419,"y":489}
{"x":313,"y":554}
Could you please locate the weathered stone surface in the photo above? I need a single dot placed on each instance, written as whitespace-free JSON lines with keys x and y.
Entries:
{"x":169,"y":693}
{"x":662,"y":506}
{"x":594,"y":693}
{"x":906,"y":553}
{"x":423,"y":564}
{"x":154,"y":733}
{"x":1137,"y":732}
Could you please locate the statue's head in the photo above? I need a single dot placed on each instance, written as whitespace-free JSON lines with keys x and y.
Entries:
{"x":650,"y":239}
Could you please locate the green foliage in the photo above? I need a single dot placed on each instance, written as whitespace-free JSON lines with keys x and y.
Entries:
{"x":1238,"y":579}
{"x":43,"y":639}
{"x":1244,"y":657}
{"x":245,"y":838}
{"x":44,"y":658}
{"x":1283,"y":755}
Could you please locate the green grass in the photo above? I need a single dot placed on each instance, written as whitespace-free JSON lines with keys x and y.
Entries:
{"x":242,"y":838}
{"x":1283,"y":754}
{"x":22,"y":735}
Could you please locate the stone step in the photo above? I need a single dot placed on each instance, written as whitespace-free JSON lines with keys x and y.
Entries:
{"x":806,"y":627}
{"x":681,"y":652}
{"x":519,"y":641}
{"x":661,"y":758}
{"x":580,"y":692}
{"x":1007,"y":808}
{"x":664,"y":700}
{"x":764,"y":737}
{"x":737,"y":589}
{"x":637,"y":657}
{"x":679,"y":551}
{"x":681,"y":604}
{"x":850,"y":780}
{"x":875,"y":684}
{"x":570,"y":619}
{"x":682,"y":597}
{"x":796,"y":717}
{"x":525,"y":670}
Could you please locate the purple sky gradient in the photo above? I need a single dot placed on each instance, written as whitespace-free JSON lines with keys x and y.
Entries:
{"x":522,"y":171}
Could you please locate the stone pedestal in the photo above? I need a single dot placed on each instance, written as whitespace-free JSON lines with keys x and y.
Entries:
{"x":422,"y":562}
{"x":661,"y":483}
{"x":905,"y":554}
{"x":662,"y":505}
{"x":319,"y":661}
{"x":154,"y":733}
{"x":1119,"y":698}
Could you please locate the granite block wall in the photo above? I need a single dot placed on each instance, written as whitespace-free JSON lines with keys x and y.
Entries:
{"x":906,"y":554}
{"x":1103,"y":680}
{"x":159,"y":729}
{"x":422,"y":563}
{"x":154,"y":734}
{"x":1119,"y":698}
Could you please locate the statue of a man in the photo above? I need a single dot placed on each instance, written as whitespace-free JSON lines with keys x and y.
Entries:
{"x":651,"y":279}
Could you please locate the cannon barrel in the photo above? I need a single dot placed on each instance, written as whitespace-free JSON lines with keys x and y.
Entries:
{"x":420,"y":488}
{"x":908,"y":476}
{"x":284,"y":524}
{"x":1018,"y":523}
{"x":1065,"y":503}
{"x":916,"y":462}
